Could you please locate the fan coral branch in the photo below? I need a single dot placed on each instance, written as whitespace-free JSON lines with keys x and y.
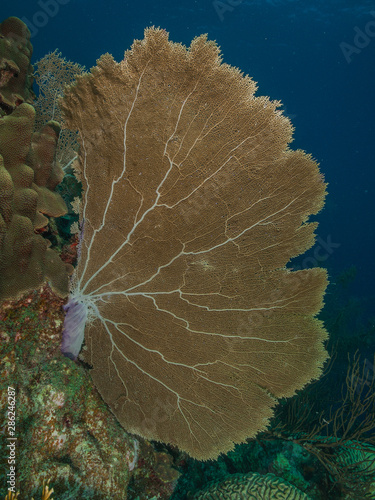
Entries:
{"x":193,"y":205}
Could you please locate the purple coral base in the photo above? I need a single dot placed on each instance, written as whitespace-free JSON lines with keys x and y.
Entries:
{"x":73,"y":329}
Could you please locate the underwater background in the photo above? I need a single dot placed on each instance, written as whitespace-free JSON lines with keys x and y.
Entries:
{"x":318,"y":58}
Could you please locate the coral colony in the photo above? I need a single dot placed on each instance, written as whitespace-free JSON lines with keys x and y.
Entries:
{"x":28,"y":175}
{"x":192,"y":206}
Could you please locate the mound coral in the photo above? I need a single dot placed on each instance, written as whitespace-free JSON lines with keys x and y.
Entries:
{"x":29,"y":175}
{"x":251,"y":486}
{"x":193,"y":205}
{"x":16,"y":72}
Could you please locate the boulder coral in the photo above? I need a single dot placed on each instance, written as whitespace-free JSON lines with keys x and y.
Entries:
{"x":251,"y":486}
{"x":29,"y":175}
{"x":193,"y":205}
{"x":16,"y":72}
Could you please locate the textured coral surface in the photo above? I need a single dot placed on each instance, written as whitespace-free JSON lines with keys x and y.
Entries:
{"x":252,"y":487}
{"x":29,"y":175}
{"x":16,"y":72}
{"x":65,"y":432}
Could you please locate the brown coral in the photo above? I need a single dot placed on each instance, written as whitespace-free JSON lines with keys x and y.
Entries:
{"x":193,"y":206}
{"x":28,"y":177}
{"x":46,"y":492}
{"x":16,"y":72}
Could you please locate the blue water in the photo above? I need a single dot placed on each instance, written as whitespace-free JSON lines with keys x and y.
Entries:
{"x":292,"y":49}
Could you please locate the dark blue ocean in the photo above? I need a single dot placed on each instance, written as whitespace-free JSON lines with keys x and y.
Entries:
{"x":318,"y":58}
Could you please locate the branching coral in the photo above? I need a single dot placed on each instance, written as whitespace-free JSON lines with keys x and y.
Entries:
{"x":46,"y":493}
{"x":343,"y":437}
{"x":52,"y":73}
{"x":193,"y":205}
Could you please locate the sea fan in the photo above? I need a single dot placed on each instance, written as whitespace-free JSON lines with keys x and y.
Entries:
{"x":193,"y":204}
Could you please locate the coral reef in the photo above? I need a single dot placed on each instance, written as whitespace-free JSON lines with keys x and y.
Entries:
{"x":16,"y":72}
{"x":29,"y":175}
{"x":357,"y":463}
{"x":284,"y":459}
{"x":341,"y":437}
{"x":193,"y":205}
{"x":155,"y":475}
{"x":46,"y":493}
{"x":52,"y":73}
{"x":251,"y":486}
{"x":65,"y":432}
{"x":297,"y":466}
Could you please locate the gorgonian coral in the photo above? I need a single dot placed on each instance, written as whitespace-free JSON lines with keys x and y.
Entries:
{"x":193,"y":205}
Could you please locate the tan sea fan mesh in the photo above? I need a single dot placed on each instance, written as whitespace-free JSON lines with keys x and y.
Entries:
{"x":193,"y":205}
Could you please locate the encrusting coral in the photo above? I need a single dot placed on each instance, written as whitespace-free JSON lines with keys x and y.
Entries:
{"x":65,"y":432}
{"x":29,"y":175}
{"x":155,"y":475}
{"x":193,"y":205}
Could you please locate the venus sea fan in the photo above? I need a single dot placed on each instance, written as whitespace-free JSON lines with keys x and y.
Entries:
{"x":193,"y":205}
